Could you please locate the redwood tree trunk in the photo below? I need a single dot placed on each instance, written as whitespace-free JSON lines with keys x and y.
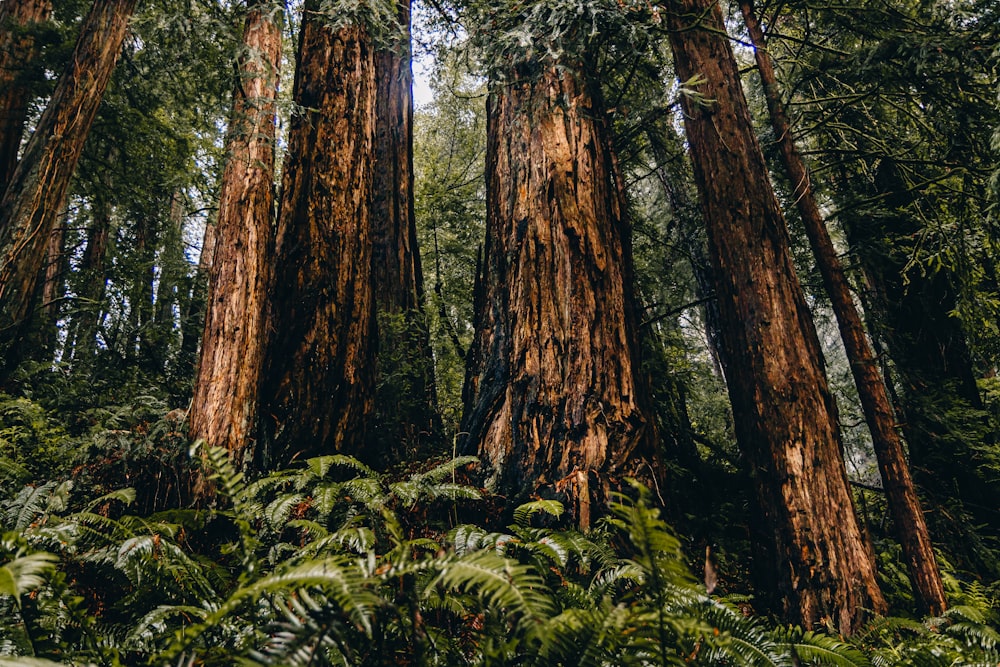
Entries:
{"x":405,"y":401}
{"x":17,"y":50}
{"x":907,"y":515}
{"x":555,"y":403}
{"x":786,"y":418}
{"x":31,"y":205}
{"x":319,"y":364}
{"x":226,"y":389}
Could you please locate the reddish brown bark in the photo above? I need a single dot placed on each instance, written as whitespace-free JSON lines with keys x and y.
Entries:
{"x":907,"y":515}
{"x":228,"y":380}
{"x":555,"y":403}
{"x":407,"y":421}
{"x":318,"y":380}
{"x":18,"y":21}
{"x":34,"y":198}
{"x":785,"y":416}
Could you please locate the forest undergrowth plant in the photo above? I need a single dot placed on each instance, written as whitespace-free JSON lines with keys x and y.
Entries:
{"x":330,"y":563}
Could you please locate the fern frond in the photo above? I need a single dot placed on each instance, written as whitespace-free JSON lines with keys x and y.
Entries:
{"x":501,"y":582}
{"x":25,"y":573}
{"x":523,"y":514}
{"x":814,"y":648}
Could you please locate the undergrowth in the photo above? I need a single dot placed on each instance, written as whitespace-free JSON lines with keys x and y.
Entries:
{"x":333,"y":563}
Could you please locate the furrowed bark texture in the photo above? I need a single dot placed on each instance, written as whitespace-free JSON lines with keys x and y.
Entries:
{"x":18,"y":19}
{"x":406,"y":403}
{"x":318,"y":378}
{"x":555,"y":405}
{"x":33,"y":200}
{"x":785,"y":416}
{"x":226,"y":389}
{"x":907,"y":515}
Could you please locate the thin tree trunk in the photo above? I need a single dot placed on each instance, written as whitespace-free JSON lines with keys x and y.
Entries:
{"x":944,"y":422}
{"x":47,"y":317}
{"x":317,"y":390}
{"x":786,"y":418}
{"x":18,"y":20}
{"x":555,"y":401}
{"x":224,"y":406}
{"x":93,"y":285}
{"x":907,"y":515}
{"x":407,"y":422}
{"x":34,"y":198}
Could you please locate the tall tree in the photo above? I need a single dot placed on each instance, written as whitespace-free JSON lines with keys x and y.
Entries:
{"x":904,"y":504}
{"x":35,"y":195}
{"x":786,"y":418}
{"x":19,"y":19}
{"x":555,"y":401}
{"x":226,"y":389}
{"x":405,"y":401}
{"x":317,"y":386}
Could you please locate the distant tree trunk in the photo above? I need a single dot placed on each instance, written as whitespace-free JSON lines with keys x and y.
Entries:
{"x":317,"y":391}
{"x":406,"y":422}
{"x":46,"y":319}
{"x":785,"y":416}
{"x":194,"y":314}
{"x":164,"y":330}
{"x":18,"y":18}
{"x":93,"y":283}
{"x":907,"y":515}
{"x":555,"y":403}
{"x":34,"y":198}
{"x":138,"y":339}
{"x":224,"y":406}
{"x":943,"y":417}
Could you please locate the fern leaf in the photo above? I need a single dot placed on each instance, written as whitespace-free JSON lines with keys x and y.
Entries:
{"x":25,"y":574}
{"x":523,"y":514}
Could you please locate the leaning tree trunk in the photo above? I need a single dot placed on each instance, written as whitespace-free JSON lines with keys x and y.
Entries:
{"x":907,"y":515}
{"x":786,"y":418}
{"x":232,"y":352}
{"x":555,"y":403}
{"x":34,"y":198}
{"x":17,"y":49}
{"x":944,"y":420}
{"x":407,"y":423}
{"x":319,"y":364}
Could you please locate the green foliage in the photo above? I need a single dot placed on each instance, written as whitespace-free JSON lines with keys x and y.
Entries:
{"x":324,"y":564}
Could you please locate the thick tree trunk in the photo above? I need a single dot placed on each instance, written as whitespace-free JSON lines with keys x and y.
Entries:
{"x":407,"y":422}
{"x":33,"y":200}
{"x":907,"y":515}
{"x":555,"y":403}
{"x":786,"y":418}
{"x":319,"y":363}
{"x":18,"y":20}
{"x":224,"y":406}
